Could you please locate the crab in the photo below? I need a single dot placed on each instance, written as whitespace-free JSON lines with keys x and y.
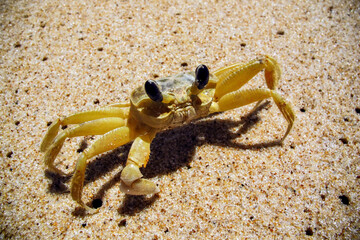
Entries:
{"x":158,"y":105}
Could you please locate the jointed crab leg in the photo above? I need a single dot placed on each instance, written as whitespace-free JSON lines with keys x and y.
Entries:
{"x":109,"y":111}
{"x":95,"y":127}
{"x":233,"y":77}
{"x":244,"y":97}
{"x":95,"y":122}
{"x":229,"y":96}
{"x":111,"y":121}
{"x":131,"y":181}
{"x":109,"y":141}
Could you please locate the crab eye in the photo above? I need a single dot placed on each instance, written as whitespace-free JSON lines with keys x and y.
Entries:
{"x":201,"y":76}
{"x":153,"y":91}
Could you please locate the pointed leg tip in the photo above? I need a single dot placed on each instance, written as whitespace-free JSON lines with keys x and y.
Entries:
{"x":43,"y":147}
{"x":90,"y":210}
{"x":82,"y":209}
{"x":53,"y":169}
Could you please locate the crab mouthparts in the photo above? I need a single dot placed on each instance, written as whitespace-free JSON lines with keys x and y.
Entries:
{"x":184,"y":114}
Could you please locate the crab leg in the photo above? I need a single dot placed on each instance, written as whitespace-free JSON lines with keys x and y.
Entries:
{"x":107,"y":142}
{"x":233,"y":77}
{"x":95,"y":127}
{"x":244,"y":97}
{"x":109,"y":111}
{"x":131,"y":181}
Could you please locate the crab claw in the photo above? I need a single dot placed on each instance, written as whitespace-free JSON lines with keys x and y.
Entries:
{"x":139,"y":187}
{"x":132,"y":184}
{"x":130,"y":174}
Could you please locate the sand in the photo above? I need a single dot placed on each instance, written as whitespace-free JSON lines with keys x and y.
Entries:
{"x":224,"y":177}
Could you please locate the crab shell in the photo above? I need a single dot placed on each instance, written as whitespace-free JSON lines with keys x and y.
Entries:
{"x":182,"y":102}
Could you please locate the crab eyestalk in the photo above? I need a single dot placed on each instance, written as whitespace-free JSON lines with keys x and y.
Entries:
{"x":153,"y":91}
{"x":201,"y":79}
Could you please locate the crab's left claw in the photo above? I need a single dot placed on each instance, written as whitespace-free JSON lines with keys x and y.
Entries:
{"x":131,"y":177}
{"x":139,"y":187}
{"x":133,"y":184}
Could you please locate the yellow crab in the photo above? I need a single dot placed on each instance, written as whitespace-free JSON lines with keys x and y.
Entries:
{"x":158,"y":105}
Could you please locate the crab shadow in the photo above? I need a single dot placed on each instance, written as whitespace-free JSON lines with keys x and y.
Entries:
{"x":170,"y":150}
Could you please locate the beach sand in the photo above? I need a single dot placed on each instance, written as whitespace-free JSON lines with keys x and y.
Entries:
{"x":223,"y":177}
